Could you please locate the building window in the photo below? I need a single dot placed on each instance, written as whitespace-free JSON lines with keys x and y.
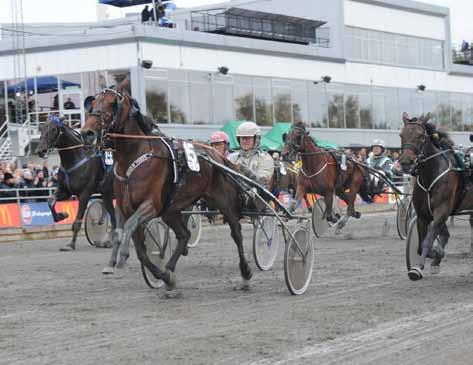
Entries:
{"x":243,"y":98}
{"x":300,"y":109}
{"x":282,"y":102}
{"x":157,"y":98}
{"x":222,"y":99}
{"x":263,"y":102}
{"x":200,"y":97}
{"x":336,"y":104}
{"x":318,"y":117}
{"x":393,"y":49}
{"x":178,"y":97}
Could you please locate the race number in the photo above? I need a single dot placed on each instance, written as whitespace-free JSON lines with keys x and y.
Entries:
{"x":191,"y":157}
{"x":108,"y":158}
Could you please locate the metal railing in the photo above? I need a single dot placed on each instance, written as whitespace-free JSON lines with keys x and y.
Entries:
{"x":21,"y":197}
{"x":245,"y":26}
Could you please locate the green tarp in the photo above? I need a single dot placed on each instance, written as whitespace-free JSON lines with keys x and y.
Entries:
{"x":271,"y":140}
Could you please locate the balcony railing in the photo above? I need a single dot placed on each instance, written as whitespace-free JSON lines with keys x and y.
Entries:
{"x":252,"y":24}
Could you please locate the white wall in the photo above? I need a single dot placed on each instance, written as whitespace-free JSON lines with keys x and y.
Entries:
{"x":240,"y":63}
{"x":73,"y":60}
{"x":395,"y":21}
{"x":285,"y":67}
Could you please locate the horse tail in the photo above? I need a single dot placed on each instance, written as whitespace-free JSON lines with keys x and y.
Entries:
{"x":365,"y":187}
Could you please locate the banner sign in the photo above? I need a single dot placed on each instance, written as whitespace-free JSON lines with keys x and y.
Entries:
{"x":38,"y":214}
{"x":9,"y":216}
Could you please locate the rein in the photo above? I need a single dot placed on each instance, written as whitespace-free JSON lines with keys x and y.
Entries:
{"x":71,"y":148}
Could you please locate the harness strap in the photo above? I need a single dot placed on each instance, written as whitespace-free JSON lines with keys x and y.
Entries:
{"x":317,"y":173}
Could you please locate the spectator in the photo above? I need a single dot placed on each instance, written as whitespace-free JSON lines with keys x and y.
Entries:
{"x":27,"y":183}
{"x":69,"y":104}
{"x":40,"y":183}
{"x":145,"y":14}
{"x":45,"y":169}
{"x":465,"y":46}
{"x":361,"y":155}
{"x":8,"y":183}
{"x":53,"y":183}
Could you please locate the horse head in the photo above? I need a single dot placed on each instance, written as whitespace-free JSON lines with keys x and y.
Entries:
{"x":414,"y":136}
{"x":293,"y":141}
{"x":50,"y":133}
{"x":104,"y":113}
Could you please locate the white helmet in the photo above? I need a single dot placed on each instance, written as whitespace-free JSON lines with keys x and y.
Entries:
{"x":248,"y":129}
{"x":380,"y":143}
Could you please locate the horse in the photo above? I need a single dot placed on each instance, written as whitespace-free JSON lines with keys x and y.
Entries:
{"x":439,"y":191}
{"x":148,"y":186}
{"x":81,"y":173}
{"x":321,"y":174}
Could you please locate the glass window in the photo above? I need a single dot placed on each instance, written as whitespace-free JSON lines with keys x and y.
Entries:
{"x":366,"y":112}
{"x":456,"y":111}
{"x":443,"y":110}
{"x":200,"y":97}
{"x":318,"y":116}
{"x":263,"y":104}
{"x":243,"y":98}
{"x":467,"y":102}
{"x":223,"y":99}
{"x":282,"y":101}
{"x":393,"y":118}
{"x":430,"y":103}
{"x":352,"y":107}
{"x":336,"y":114}
{"x":299,"y":101}
{"x":70,"y":81}
{"x":375,"y":46}
{"x":157,"y":98}
{"x":380,"y":102}
{"x":3,"y":103}
{"x":178,"y":95}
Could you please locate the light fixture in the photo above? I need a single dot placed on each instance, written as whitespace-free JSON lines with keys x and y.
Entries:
{"x":421,"y":87}
{"x":223,"y":70}
{"x":326,"y":79}
{"x":147,"y":64}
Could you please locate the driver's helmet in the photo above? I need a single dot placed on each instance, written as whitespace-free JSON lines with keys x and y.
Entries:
{"x":380,"y":143}
{"x":248,"y":129}
{"x":218,"y":137}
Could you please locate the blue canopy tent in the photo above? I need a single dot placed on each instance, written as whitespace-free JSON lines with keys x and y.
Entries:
{"x":44,"y":84}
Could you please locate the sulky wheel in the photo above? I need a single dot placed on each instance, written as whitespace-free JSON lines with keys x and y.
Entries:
{"x":402,"y":217}
{"x":319,"y":223}
{"x":97,"y":223}
{"x":194,"y":225}
{"x":158,"y":248}
{"x":266,"y":239}
{"x":299,"y":260}
{"x":412,"y":245}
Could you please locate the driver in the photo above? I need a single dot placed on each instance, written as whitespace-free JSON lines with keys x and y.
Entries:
{"x":378,"y":160}
{"x":255,"y":163}
{"x":220,"y":141}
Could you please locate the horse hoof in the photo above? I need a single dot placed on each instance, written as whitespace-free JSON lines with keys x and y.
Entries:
{"x":171,"y":282}
{"x":107,"y":270}
{"x":106,"y":244}
{"x":122,"y":265}
{"x":61,"y":216}
{"x":357,"y":215}
{"x":435,"y":269}
{"x":415,"y":274}
{"x":67,"y":248}
{"x":243,"y":286}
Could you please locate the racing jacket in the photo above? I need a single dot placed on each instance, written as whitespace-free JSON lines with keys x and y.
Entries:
{"x":381,"y":163}
{"x":256,"y":164}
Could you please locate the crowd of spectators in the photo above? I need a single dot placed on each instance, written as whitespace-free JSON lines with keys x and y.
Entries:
{"x":29,"y":176}
{"x":362,"y":155}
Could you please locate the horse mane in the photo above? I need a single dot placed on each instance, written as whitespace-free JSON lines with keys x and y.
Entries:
{"x":145,"y":122}
{"x":440,"y":138}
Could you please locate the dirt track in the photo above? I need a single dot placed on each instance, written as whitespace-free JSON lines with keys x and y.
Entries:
{"x":361,"y":308}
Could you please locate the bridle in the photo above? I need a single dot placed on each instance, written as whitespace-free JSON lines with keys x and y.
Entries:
{"x":110,"y":115}
{"x":295,"y":146}
{"x":415,"y":148}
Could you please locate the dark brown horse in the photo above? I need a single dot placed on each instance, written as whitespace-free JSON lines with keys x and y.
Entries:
{"x":145,"y":186}
{"x":438,"y":192}
{"x":321,"y":173}
{"x":82,"y":173}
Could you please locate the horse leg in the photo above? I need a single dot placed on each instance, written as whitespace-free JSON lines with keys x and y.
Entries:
{"x":108,"y":204}
{"x":328,"y":198}
{"x":143,"y":214}
{"x":117,"y":235}
{"x":437,"y":226}
{"x":439,"y":250}
{"x":140,"y":248}
{"x":176,"y":222}
{"x":83,"y":200}
{"x":59,"y":195}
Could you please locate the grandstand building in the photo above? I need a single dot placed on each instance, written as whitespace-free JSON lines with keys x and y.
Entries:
{"x":348,"y":68}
